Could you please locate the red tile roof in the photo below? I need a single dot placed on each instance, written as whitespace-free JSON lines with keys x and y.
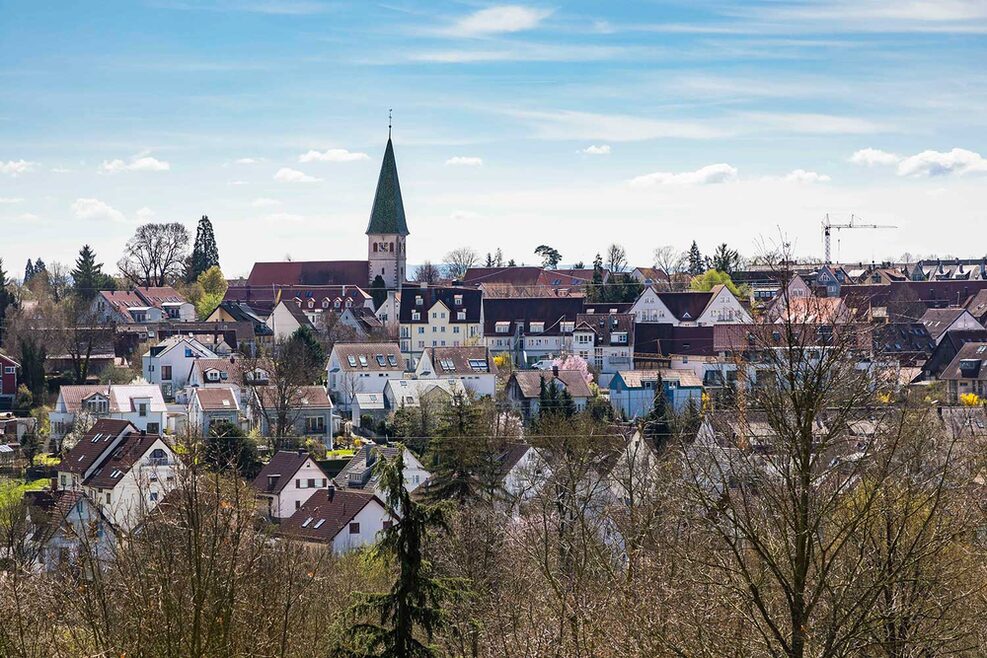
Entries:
{"x":312,"y":273}
{"x":278,"y":472}
{"x":529,"y":382}
{"x":325,"y":514}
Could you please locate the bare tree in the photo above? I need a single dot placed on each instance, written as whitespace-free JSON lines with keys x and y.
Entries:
{"x":671,"y":262}
{"x":155,"y":255}
{"x":426,"y":273}
{"x":616,"y":260}
{"x":458,"y":261}
{"x":278,"y":400}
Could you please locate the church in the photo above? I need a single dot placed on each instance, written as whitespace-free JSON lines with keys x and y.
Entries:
{"x":322,"y":281}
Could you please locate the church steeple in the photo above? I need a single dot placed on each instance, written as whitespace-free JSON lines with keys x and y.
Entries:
{"x":387,"y":216}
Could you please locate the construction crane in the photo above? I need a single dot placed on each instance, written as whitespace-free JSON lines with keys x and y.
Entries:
{"x":828,"y":227}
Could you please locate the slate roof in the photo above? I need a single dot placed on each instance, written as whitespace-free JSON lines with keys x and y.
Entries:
{"x":471,"y":303}
{"x":970,"y":363}
{"x":456,"y":360}
{"x":93,"y":444}
{"x":278,"y":472}
{"x":387,"y":214}
{"x":369,"y":352}
{"x":325,"y":514}
{"x":529,"y":382}
{"x":604,"y":325}
{"x":124,"y":456}
{"x":651,"y":339}
{"x":910,"y":341}
{"x":552,"y":311}
{"x":358,"y":474}
{"x":978,"y":306}
{"x":686,"y":306}
{"x":938,"y":320}
{"x":511,"y":455}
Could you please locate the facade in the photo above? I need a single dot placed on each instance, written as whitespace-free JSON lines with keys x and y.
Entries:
{"x":169,"y":363}
{"x":414,"y":393}
{"x":214,"y":404}
{"x":718,"y":306}
{"x":140,"y":404}
{"x":358,"y":474}
{"x":938,"y":321}
{"x":524,"y":388}
{"x":530,"y":329}
{"x":355,"y":368}
{"x":439,"y":316}
{"x":633,"y":392}
{"x":967,"y":373}
{"x":142,"y":305}
{"x":287,"y":482}
{"x":306,"y":411}
{"x":8,"y":381}
{"x":605,"y":341}
{"x":473,"y":366}
{"x":338,"y":520}
{"x":66,"y":524}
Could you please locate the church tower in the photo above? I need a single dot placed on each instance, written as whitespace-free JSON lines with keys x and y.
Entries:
{"x":387,"y":231}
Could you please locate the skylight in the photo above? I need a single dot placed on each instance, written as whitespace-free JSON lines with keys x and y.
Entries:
{"x":392,"y":360}
{"x":306,"y":522}
{"x":351,"y":360}
{"x":318,"y":524}
{"x":381,"y":361}
{"x":363,"y":361}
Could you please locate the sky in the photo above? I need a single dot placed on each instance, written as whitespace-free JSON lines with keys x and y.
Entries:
{"x":572,"y":124}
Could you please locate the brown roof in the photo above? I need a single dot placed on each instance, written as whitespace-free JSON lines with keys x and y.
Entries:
{"x":220,"y":398}
{"x":686,"y":306}
{"x":309,"y":397}
{"x":978,"y":306}
{"x":156,"y":296}
{"x":278,"y":472}
{"x":633,"y":378}
{"x":329,"y":272}
{"x":131,"y":449}
{"x":49,"y":509}
{"x":232,"y":366}
{"x":93,"y":444}
{"x":529,"y":382}
{"x":969,"y":363}
{"x":389,"y":353}
{"x":325,"y":514}
{"x":457,"y":360}
{"x":121,"y":300}
{"x":938,"y":320}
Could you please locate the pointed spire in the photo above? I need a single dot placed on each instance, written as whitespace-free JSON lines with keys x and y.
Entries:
{"x":387,"y":215}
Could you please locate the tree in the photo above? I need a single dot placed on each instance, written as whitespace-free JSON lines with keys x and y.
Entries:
{"x":28,"y":271}
{"x":616,"y":258}
{"x":229,"y":449}
{"x":597,"y":292}
{"x":155,"y":255}
{"x":88,"y":277}
{"x":311,"y":355}
{"x":550,"y":256}
{"x":208,"y":291}
{"x":6,"y":300}
{"x":697,"y":264}
{"x":416,"y":597}
{"x":725,"y":259}
{"x":670,"y":262}
{"x":456,"y":453}
{"x":458,"y":261}
{"x":378,"y":291}
{"x":205,"y":253}
{"x":426,"y":273}
{"x":710,"y":278}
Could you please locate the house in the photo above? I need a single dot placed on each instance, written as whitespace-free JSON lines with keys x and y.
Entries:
{"x":473,"y":366}
{"x":358,"y":474}
{"x":124,"y":470}
{"x":287,"y":481}
{"x":143,"y":305}
{"x":233,"y":311}
{"x":439,"y":316}
{"x":369,"y":405}
{"x":362,"y":368}
{"x":342,"y":520}
{"x":64,"y":526}
{"x":305,"y":412}
{"x":718,"y":306}
{"x":967,"y":372}
{"x":650,"y":276}
{"x":287,"y":318}
{"x":948,"y":347}
{"x":524,"y":387}
{"x":231,"y":371}
{"x":605,"y":342}
{"x":811,"y":310}
{"x":414,"y":393}
{"x":215,"y":404}
{"x":530,"y":281}
{"x":8,"y":381}
{"x":140,"y":404}
{"x":977,"y":306}
{"x":633,"y":392}
{"x":523,"y":470}
{"x":940,"y":320}
{"x":530,"y":329}
{"x":169,"y":363}
{"x":362,"y":321}
{"x":390,"y":311}
{"x":908,"y":342}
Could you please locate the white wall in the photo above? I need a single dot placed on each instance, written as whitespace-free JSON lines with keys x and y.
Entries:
{"x":293,"y":496}
{"x":371,"y":519}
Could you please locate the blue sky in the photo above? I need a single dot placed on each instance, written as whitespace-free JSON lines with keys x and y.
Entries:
{"x":574,"y":124}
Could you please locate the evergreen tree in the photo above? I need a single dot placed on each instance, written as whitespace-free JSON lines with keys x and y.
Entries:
{"x":657,"y":424}
{"x":566,"y":405}
{"x":456,"y":453}
{"x":6,"y":300}
{"x":417,"y":594}
{"x":697,"y":264}
{"x":490,"y":260}
{"x":229,"y":449}
{"x":205,"y":253}
{"x":511,"y":263}
{"x":311,"y":351}
{"x":87,"y":277}
{"x":28,"y":270}
{"x":39,"y":267}
{"x":378,"y":290}
{"x":597,"y":292}
{"x":725,"y":259}
{"x":33,"y":355}
{"x":498,"y":259}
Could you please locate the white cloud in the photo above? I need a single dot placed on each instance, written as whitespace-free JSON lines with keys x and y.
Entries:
{"x":263,"y":202}
{"x":87,"y":208}
{"x":10,"y":199}
{"x":145,"y":215}
{"x":464,"y":161}
{"x":710,"y":174}
{"x":139,"y":162}
{"x":248,"y":161}
{"x":803,"y":176}
{"x":464,"y":215}
{"x":61,"y":170}
{"x":940,"y":163}
{"x":871,"y":157}
{"x":16,"y":167}
{"x":27,"y":217}
{"x":498,"y":20}
{"x":287,"y":175}
{"x":332,"y":155}
{"x":593,"y":149}
{"x":568,"y":125}
{"x":238,"y":182}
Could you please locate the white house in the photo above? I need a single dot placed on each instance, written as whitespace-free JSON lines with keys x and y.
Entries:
{"x":718,"y":306}
{"x":439,"y":316}
{"x":59,"y":521}
{"x":287,"y":481}
{"x":524,"y":388}
{"x":142,"y":305}
{"x":362,"y":368}
{"x":473,"y":366}
{"x":212,"y":405}
{"x":140,"y":404}
{"x":523,"y":472}
{"x":359,"y":471}
{"x":415,"y":392}
{"x":306,"y":409}
{"x":287,"y":318}
{"x":338,"y":519}
{"x":169,"y":363}
{"x":605,"y":341}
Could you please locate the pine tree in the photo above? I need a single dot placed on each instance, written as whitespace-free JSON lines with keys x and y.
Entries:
{"x":39,"y":267}
{"x":87,"y":277}
{"x":417,"y":594}
{"x":205,"y":253}
{"x":697,"y":264}
{"x":313,"y":355}
{"x":597,"y":292}
{"x":28,"y":271}
{"x":456,"y":453}
{"x":378,"y":290}
{"x":6,"y":300}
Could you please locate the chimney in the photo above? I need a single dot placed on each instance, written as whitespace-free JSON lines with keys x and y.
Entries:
{"x":331,"y":491}
{"x":555,"y":371}
{"x":301,"y":452}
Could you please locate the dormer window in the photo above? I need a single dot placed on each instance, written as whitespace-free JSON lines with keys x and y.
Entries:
{"x":325,"y":303}
{"x":415,"y":315}
{"x":567,"y":327}
{"x":536,"y":327}
{"x":336,"y":303}
{"x":502,"y":327}
{"x":311,"y":303}
{"x":457,"y":300}
{"x":461,"y":315}
{"x":418,"y":300}
{"x":349,"y":303}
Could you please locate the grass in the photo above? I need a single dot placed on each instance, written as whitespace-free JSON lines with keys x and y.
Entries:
{"x":47,"y":460}
{"x":13,"y":491}
{"x":338,"y":454}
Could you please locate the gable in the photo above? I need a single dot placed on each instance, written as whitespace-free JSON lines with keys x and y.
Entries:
{"x":650,"y":308}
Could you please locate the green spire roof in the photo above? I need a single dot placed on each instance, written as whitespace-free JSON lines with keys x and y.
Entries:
{"x":387,"y":215}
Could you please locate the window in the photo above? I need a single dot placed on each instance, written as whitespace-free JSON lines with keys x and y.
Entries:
{"x":9,"y":370}
{"x":142,"y":409}
{"x":415,"y":315}
{"x":325,"y":482}
{"x":457,"y":300}
{"x":315,"y":425}
{"x":381,"y":361}
{"x":461,"y":315}
{"x":306,"y":522}
{"x":354,"y":528}
{"x":536,"y":327}
{"x":165,"y":373}
{"x":108,"y":497}
{"x":311,"y":483}
{"x":363,"y":361}
{"x":351,"y":360}
{"x":153,"y":428}
{"x":298,"y":505}
{"x":153,"y":497}
{"x":298,"y":483}
{"x":502,"y":327}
